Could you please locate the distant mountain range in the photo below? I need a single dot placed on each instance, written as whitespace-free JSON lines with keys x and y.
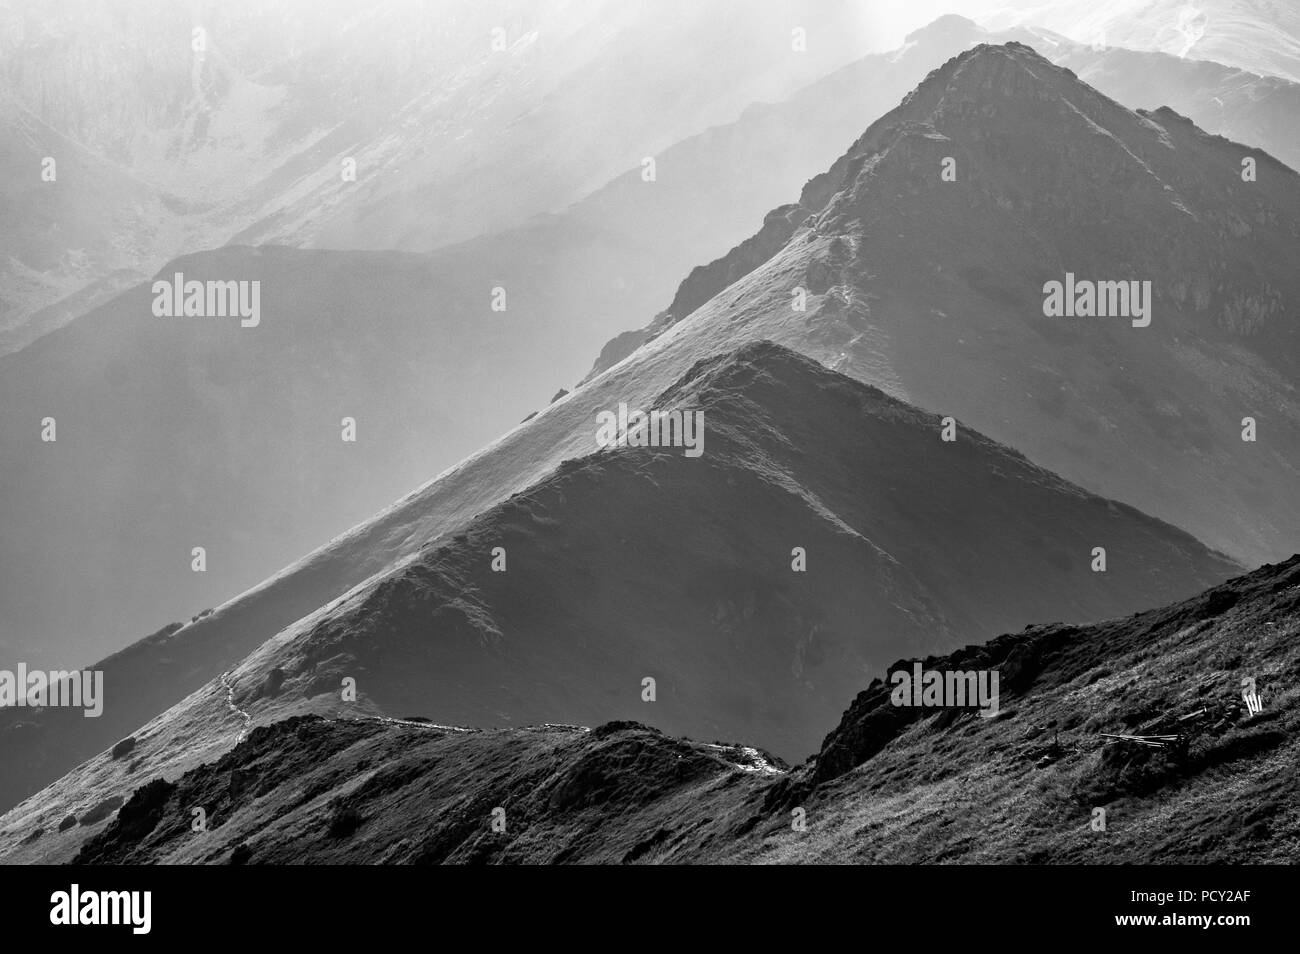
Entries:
{"x":164,"y":152}
{"x":408,"y":345}
{"x":923,"y":290}
{"x":277,"y":479}
{"x":176,"y":128}
{"x":1259,"y":36}
{"x":826,"y":530}
{"x":934,"y":290}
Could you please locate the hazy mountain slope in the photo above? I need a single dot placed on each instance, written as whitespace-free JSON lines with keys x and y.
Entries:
{"x":1257,"y":110}
{"x":635,"y":563}
{"x":846,"y":326}
{"x":572,"y":279}
{"x":441,"y":376}
{"x":452,"y":136}
{"x":160,"y":672}
{"x":247,"y":143}
{"x":1262,"y":36}
{"x":923,"y":544}
{"x":605,"y":263}
{"x":928,"y":786}
{"x":603,"y":115}
{"x":85,"y":226}
{"x":933,"y":290}
{"x":183,"y":432}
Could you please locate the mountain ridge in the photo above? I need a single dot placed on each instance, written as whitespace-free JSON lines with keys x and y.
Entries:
{"x":877,"y":537}
{"x":844,"y":328}
{"x":912,"y":787}
{"x":1218,"y":253}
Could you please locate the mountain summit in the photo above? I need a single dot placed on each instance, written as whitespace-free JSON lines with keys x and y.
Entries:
{"x":925,"y":251}
{"x":927,"y":288}
{"x":745,"y":593}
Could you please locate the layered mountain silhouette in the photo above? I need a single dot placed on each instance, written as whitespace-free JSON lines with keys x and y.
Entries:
{"x":175,"y":433}
{"x":826,"y":529}
{"x":1247,"y":107}
{"x":407,"y":345}
{"x":176,"y":128}
{"x":1260,"y":36}
{"x":277,"y":480}
{"x":876,"y":276}
{"x":889,"y":784}
{"x":246,"y":143}
{"x":934,"y":289}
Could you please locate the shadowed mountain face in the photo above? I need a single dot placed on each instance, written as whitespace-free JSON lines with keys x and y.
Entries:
{"x":638,"y":563}
{"x":889,"y":785}
{"x":934,"y":289}
{"x":647,"y":562}
{"x":900,"y":320}
{"x":1261,"y":111}
{"x":409,"y":347}
{"x":174,"y":433}
{"x":882,"y":308}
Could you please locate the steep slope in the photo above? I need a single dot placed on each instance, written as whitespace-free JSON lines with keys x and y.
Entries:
{"x":174,"y":433}
{"x":1026,"y":796}
{"x":245,"y":145}
{"x":233,"y":122}
{"x":1259,"y":110}
{"x":1261,"y":36}
{"x":934,"y":289}
{"x":377,"y":793}
{"x":890,"y":784}
{"x":281,"y":487}
{"x":408,"y":344}
{"x":644,"y":562}
{"x":85,"y":226}
{"x":1018,"y":364}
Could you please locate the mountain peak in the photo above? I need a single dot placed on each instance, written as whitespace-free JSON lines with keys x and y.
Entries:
{"x":936,"y":232}
{"x":1010,"y":67}
{"x":919,"y":546}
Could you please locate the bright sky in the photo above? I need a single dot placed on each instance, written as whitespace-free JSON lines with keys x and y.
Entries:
{"x":892,"y":20}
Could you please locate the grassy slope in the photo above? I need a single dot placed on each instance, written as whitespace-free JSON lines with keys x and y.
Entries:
{"x":941,"y":789}
{"x":687,"y":582}
{"x":1150,"y":419}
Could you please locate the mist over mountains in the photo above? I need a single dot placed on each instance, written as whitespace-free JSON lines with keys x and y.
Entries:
{"x":1259,"y":36}
{"x":180,"y":127}
{"x":279,"y":483}
{"x":279,"y":391}
{"x":933,"y":290}
{"x":425,"y":575}
{"x":555,"y":605}
{"x":888,"y":785}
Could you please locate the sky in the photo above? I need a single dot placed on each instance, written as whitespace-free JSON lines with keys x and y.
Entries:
{"x":892,"y":20}
{"x":1078,"y":19}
